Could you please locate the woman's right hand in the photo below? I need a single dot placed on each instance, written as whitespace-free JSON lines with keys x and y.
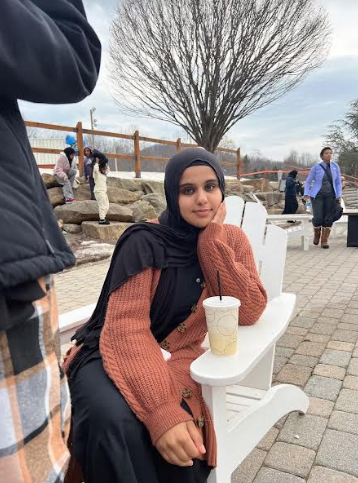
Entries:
{"x":220,"y":215}
{"x":306,"y":198}
{"x":180,"y":444}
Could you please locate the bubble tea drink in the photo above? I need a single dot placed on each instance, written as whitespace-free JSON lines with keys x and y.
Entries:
{"x":222,"y":318}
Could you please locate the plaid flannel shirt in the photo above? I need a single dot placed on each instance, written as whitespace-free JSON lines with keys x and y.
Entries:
{"x":34,"y":398}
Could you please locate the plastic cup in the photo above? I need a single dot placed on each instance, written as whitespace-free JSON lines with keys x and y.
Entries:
{"x":222,"y":318}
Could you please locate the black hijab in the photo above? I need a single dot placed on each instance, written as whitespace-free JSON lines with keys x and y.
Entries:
{"x":68,"y":152}
{"x":293,"y":174}
{"x":170,"y":245}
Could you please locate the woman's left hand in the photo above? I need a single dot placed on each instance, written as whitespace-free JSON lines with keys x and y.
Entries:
{"x":220,"y":214}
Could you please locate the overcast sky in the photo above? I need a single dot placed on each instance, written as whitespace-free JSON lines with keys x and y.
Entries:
{"x":296,"y":121}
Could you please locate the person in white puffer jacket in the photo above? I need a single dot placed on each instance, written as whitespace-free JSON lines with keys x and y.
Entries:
{"x":100,"y":171}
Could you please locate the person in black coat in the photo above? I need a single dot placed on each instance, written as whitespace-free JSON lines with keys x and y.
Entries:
{"x":48,"y":54}
{"x":291,"y":203}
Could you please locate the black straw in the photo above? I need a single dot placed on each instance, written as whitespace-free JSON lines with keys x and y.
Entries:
{"x":219,"y":285}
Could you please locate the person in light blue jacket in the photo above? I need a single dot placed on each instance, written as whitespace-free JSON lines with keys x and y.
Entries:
{"x":324,"y":187}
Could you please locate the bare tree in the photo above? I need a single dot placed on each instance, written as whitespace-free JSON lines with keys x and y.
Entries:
{"x":343,"y":138}
{"x":204,"y":64}
{"x":343,"y":134}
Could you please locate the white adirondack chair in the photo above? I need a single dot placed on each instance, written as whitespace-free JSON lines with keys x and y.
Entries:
{"x":238,"y":389}
{"x":302,"y":230}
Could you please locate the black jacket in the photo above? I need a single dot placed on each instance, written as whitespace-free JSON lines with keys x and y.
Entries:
{"x":50,"y":54}
{"x":290,"y":189}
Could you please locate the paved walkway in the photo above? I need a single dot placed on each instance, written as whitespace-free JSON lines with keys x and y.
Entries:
{"x":318,"y":352}
{"x":80,"y":285}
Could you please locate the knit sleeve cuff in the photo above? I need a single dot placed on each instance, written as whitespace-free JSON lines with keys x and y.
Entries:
{"x":164,"y":418}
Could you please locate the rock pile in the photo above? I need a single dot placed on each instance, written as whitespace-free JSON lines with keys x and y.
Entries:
{"x":130,"y":201}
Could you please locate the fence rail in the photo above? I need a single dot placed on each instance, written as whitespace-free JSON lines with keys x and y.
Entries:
{"x":136,"y":138}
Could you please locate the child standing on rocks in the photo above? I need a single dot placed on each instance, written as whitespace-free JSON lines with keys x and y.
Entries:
{"x":100,"y":171}
{"x":88,"y":164}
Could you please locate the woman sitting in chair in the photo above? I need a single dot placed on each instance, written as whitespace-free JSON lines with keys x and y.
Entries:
{"x":136,"y":417}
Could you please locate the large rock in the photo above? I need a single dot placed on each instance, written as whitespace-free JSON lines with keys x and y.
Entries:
{"x":88,"y":211}
{"x":271,"y":198}
{"x":248,"y":188}
{"x":143,"y":211}
{"x":150,"y":186}
{"x":139,"y":193}
{"x":104,"y":232}
{"x":260,"y":184}
{"x":234,"y":187}
{"x":56,"y":196}
{"x":157,"y":201}
{"x":133,"y":184}
{"x":71,"y":228}
{"x":274,"y":185}
{"x":115,"y":194}
{"x":49,"y":180}
{"x":82,"y":193}
{"x":121,"y":196}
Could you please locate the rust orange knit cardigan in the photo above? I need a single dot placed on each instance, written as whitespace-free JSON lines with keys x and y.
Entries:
{"x":132,"y":357}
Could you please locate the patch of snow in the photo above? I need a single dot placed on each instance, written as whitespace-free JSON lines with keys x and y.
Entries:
{"x":94,"y":251}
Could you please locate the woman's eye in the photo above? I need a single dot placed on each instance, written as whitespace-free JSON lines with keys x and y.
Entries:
{"x":211,"y":187}
{"x":188,"y":191}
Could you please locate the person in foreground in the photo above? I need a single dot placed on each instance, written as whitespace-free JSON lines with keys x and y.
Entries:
{"x":40,"y":44}
{"x":136,"y":417}
{"x":324,"y":187}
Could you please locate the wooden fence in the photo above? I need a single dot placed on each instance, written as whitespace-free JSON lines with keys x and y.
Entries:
{"x":136,"y":138}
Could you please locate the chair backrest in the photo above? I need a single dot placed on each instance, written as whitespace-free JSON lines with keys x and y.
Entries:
{"x":269,"y":242}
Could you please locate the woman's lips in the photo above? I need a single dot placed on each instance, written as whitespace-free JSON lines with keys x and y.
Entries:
{"x":202,"y":213}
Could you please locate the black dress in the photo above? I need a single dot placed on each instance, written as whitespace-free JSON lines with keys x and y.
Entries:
{"x":109,"y":442}
{"x":291,"y":204}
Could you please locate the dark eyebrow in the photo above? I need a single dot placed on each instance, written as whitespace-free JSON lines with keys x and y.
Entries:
{"x":193,"y":184}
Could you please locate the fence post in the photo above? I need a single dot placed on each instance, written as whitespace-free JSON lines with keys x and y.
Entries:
{"x":137,"y":155}
{"x":79,"y":134}
{"x":238,"y":164}
{"x":179,"y":145}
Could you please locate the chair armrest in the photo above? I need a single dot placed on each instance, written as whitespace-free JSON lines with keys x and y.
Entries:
{"x":253,"y":343}
{"x":71,"y":321}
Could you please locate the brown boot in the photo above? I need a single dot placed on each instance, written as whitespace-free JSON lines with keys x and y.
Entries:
{"x":317,"y":234}
{"x":325,"y":235}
